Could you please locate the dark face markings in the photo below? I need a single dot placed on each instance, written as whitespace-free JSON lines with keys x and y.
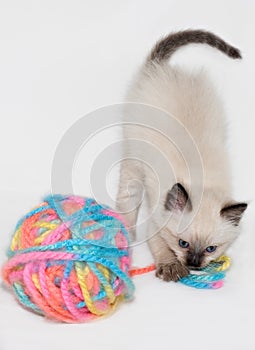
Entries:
{"x":194,"y":258}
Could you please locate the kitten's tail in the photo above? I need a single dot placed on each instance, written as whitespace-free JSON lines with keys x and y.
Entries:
{"x":165,"y":47}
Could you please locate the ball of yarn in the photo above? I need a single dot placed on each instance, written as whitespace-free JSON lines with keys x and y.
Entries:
{"x":69,"y":259}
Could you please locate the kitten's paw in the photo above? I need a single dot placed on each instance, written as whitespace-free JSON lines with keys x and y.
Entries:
{"x":171,"y":271}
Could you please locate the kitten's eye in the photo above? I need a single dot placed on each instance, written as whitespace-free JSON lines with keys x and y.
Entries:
{"x":211,"y":248}
{"x":183,"y":244}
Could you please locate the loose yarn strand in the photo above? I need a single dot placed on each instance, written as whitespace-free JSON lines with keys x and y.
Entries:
{"x":209,"y":277}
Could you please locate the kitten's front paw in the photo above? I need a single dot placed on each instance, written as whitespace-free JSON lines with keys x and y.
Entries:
{"x":171,"y":271}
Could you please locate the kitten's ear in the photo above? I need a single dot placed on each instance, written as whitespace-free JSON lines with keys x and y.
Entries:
{"x":233,"y":212}
{"x":177,"y":199}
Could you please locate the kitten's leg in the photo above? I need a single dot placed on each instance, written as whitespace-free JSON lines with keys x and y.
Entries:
{"x":130,"y":193}
{"x":168,"y":267}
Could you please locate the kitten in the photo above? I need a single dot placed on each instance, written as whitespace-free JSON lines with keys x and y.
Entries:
{"x":198,"y":228}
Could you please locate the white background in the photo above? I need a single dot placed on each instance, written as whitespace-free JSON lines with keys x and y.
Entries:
{"x":60,"y":60}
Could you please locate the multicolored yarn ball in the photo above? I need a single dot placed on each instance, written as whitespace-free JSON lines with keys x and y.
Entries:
{"x":69,"y":259}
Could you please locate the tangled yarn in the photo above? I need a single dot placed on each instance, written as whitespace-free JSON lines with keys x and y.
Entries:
{"x":209,"y":277}
{"x":69,"y":259}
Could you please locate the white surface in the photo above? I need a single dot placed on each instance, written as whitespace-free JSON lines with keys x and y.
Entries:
{"x":61,"y":59}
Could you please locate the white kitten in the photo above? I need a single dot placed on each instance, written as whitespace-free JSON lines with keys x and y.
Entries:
{"x":199,"y":225}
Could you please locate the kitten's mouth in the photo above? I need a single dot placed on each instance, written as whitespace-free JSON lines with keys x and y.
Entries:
{"x":195,"y":268}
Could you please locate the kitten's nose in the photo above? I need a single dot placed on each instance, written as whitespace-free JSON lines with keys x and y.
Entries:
{"x":194,"y":260}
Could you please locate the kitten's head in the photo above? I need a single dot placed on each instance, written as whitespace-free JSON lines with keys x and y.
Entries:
{"x":213,"y":227}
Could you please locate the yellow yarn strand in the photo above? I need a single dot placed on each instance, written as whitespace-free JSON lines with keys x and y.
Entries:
{"x":107,"y":287}
{"x":225,"y":260}
{"x":86,"y":295}
{"x":36,"y":281}
{"x":47,"y":225}
{"x":105,"y":272}
{"x":16,"y":241}
{"x":41,"y":238}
